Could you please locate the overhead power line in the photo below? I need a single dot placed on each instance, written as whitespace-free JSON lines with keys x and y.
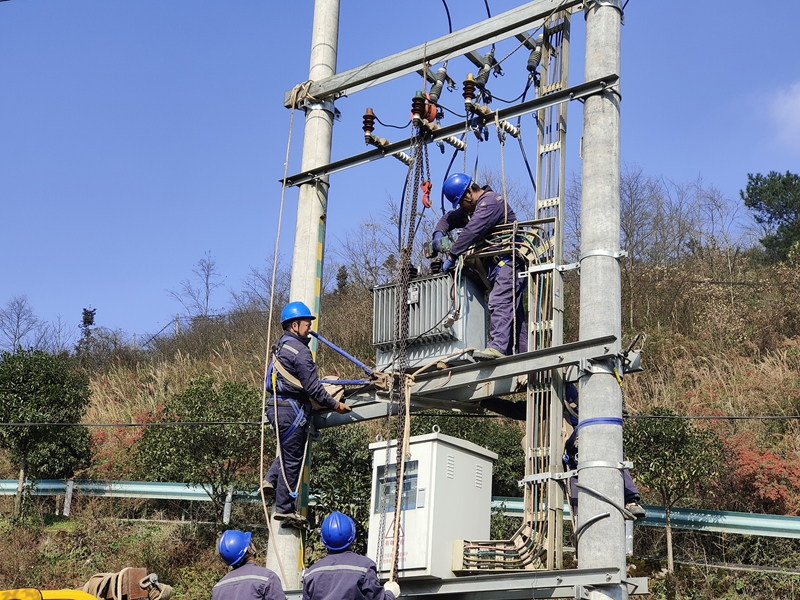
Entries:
{"x":420,"y":414}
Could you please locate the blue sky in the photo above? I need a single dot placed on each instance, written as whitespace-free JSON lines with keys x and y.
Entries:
{"x":135,"y":136}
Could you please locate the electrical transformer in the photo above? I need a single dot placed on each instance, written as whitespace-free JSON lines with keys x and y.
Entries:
{"x":446,"y":496}
{"x":434,"y":331}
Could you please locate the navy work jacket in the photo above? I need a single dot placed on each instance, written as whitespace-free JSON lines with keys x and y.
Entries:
{"x":296,"y":358}
{"x":344,"y":576}
{"x":249,"y":582}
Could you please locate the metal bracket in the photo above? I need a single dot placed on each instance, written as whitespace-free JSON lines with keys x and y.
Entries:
{"x":549,"y":267}
{"x":568,"y":267}
{"x":625,"y":464}
{"x":595,"y":367}
{"x":582,"y":592}
{"x":610,"y":253}
{"x":326,"y":105}
{"x":538,"y":477}
{"x":615,"y":4}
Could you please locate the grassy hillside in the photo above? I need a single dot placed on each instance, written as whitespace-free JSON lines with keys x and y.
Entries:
{"x":723,"y":339}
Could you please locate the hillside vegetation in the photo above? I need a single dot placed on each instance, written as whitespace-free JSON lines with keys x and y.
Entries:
{"x":722,"y":324}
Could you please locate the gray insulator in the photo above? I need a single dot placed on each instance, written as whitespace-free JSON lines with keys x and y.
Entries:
{"x":436,"y":88}
{"x":483,"y":75}
{"x":535,"y":58}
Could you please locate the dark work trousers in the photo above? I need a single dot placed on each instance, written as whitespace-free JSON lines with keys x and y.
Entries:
{"x":292,"y":449}
{"x":631,"y":491}
{"x":504,"y":299}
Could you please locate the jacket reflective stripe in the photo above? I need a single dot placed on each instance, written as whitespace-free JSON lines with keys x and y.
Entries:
{"x":336,"y":568}
{"x":242,"y":578}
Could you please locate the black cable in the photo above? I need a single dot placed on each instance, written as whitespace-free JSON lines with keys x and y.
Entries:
{"x":202,"y":423}
{"x":519,"y":139}
{"x":400,"y":217}
{"x":447,"y":173}
{"x":522,"y":95}
{"x":155,"y":334}
{"x":449,"y":22}
{"x":489,"y":14}
{"x":393,"y":126}
{"x":460,"y":116}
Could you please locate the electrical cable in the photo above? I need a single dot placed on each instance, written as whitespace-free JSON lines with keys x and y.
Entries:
{"x":393,"y":126}
{"x":489,"y":15}
{"x":519,"y":138}
{"x":449,"y":21}
{"x":248,"y":423}
{"x":451,"y":111}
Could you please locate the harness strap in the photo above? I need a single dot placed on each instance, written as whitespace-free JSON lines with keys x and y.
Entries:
{"x":291,"y":379}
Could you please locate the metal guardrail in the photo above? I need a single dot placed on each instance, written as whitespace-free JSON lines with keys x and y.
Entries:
{"x":681,"y":518}
{"x":694,"y":519}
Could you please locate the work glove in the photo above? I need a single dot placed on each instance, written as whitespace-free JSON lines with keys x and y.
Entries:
{"x":449,"y":264}
{"x":437,"y":240}
{"x":342,"y":408}
{"x":392,"y":586}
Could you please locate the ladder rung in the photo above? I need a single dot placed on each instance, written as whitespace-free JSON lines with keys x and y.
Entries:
{"x":552,"y":147}
{"x":553,"y":87}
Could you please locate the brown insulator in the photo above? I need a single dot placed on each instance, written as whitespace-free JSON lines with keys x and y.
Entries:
{"x":417,"y":107}
{"x":469,"y":89}
{"x":369,"y":123}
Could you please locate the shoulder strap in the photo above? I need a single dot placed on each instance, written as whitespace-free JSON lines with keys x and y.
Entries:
{"x":284,"y":372}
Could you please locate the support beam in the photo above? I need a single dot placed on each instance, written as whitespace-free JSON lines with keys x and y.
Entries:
{"x":572,"y":583}
{"x":580,"y":91}
{"x":431,"y":390}
{"x":498,"y":28}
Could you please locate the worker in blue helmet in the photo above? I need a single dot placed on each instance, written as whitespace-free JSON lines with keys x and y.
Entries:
{"x":343,"y":574}
{"x":476,"y":210}
{"x":293,"y":383}
{"x":245,"y":579}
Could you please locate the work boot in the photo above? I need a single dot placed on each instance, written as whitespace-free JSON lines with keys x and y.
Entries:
{"x":295,"y":520}
{"x":637,"y":512}
{"x":268,"y":489}
{"x":488,"y":354}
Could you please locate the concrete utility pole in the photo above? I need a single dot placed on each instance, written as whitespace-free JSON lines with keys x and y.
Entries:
{"x":602,"y":538}
{"x":312,"y":204}
{"x":284,"y":554}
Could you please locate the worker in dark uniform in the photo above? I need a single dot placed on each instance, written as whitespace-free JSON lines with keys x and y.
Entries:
{"x":246,"y":579}
{"x":476,"y":210}
{"x":517,"y":411}
{"x":343,"y":574}
{"x":293,"y":382}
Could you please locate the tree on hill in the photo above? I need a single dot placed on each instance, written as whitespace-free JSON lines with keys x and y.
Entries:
{"x":212,"y":456}
{"x":672,"y":458}
{"x":37,"y":387}
{"x":775,"y":200}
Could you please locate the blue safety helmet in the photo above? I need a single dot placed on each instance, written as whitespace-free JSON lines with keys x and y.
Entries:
{"x":296,"y":310}
{"x":338,"y":531}
{"x":233,"y":545}
{"x":455,"y":186}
